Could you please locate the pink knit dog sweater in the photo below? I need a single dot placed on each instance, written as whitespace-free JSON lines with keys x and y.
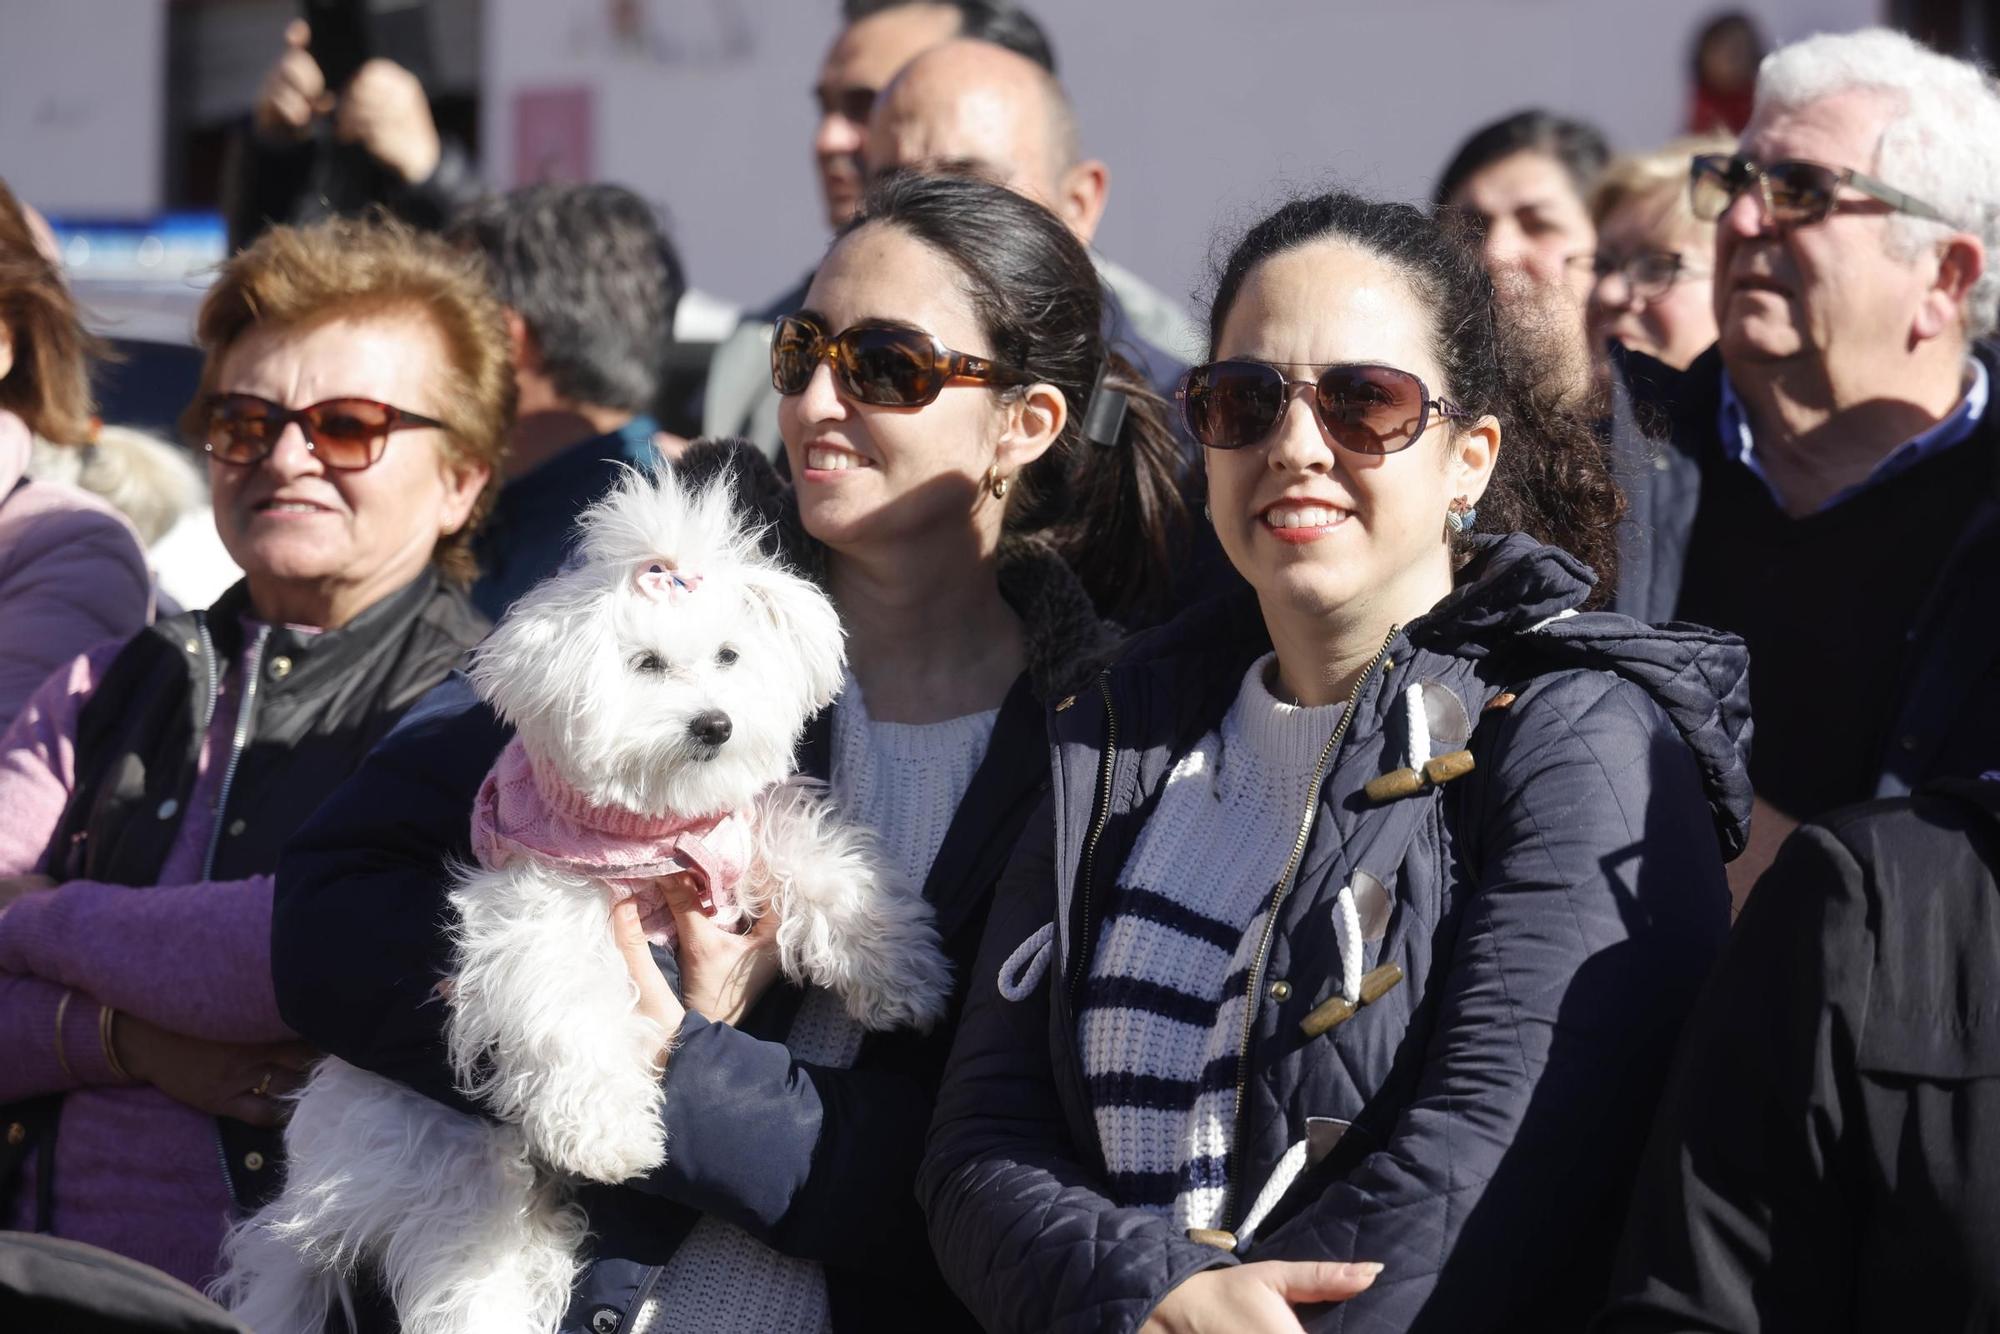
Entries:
{"x":526,"y":811}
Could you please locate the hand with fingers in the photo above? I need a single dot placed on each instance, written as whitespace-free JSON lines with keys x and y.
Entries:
{"x":1256,"y":1298}
{"x":294,"y":91}
{"x":384,"y":109}
{"x":723,"y":972}
{"x":246,"y":1080}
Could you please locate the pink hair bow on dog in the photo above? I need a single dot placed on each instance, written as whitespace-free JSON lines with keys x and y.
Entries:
{"x":661,"y":582}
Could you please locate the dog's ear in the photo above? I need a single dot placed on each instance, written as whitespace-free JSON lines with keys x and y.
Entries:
{"x":804,"y":619}
{"x":555,"y":635}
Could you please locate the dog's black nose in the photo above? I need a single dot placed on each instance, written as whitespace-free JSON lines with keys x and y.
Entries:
{"x":711,"y":727}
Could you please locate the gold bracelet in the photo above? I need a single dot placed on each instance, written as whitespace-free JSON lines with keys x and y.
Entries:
{"x":106,"y":1016}
{"x":62,"y":1057}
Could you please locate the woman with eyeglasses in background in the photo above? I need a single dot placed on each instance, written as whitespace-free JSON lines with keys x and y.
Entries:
{"x":954,"y":494}
{"x":1652,"y":291}
{"x":353,"y":405}
{"x":1345,"y":960}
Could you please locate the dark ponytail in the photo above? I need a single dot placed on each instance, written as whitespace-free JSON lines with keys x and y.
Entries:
{"x":1113,"y":507}
{"x":1553,"y":478}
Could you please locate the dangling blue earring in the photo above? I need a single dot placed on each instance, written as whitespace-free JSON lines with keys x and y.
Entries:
{"x":1461,"y":516}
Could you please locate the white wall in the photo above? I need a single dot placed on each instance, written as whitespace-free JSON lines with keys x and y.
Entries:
{"x":81,"y":130}
{"x":1203,"y":108}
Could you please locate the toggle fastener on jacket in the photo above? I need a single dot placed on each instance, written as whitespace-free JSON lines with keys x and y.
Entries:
{"x":1330,"y":1014}
{"x":1408,"y":782}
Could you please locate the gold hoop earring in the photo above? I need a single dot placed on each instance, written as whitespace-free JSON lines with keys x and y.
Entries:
{"x":996,"y":483}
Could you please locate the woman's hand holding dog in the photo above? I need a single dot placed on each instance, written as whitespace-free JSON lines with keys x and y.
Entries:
{"x":723,"y":973}
{"x":239,"y":1079}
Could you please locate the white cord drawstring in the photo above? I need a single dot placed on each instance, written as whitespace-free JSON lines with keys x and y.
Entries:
{"x":1028,"y":964}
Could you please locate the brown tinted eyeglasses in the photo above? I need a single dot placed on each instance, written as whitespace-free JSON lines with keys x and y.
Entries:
{"x":881,"y":365}
{"x":344,"y":434}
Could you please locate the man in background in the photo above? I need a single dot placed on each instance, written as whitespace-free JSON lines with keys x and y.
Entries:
{"x":972,"y":106}
{"x":590,"y":282}
{"x":877,"y":38}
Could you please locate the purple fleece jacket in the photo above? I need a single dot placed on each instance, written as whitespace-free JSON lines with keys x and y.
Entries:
{"x":136,"y":1172}
{"x":72,"y":573}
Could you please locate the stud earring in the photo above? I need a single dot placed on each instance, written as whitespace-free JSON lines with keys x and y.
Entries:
{"x":996,"y":483}
{"x":1206,"y":512}
{"x":1461,"y":516}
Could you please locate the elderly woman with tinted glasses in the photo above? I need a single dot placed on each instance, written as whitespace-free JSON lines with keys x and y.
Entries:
{"x":1651,"y":290}
{"x":353,"y":405}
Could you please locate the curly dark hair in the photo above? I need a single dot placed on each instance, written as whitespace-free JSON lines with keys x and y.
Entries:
{"x":1115,"y":508}
{"x":1553,"y":478}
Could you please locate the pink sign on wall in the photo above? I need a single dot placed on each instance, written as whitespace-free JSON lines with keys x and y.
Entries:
{"x":554,"y":138}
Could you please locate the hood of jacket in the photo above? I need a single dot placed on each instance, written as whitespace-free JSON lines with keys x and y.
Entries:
{"x":1066,"y":642}
{"x":1514,"y":611}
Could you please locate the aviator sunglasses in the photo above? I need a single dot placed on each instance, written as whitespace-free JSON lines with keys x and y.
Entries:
{"x":883,"y":366}
{"x":1367,"y":409}
{"x":1795,"y":193}
{"x":344,"y":434}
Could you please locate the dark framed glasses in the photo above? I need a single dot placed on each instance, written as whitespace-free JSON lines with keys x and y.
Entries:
{"x":1367,"y":409}
{"x":344,"y":434}
{"x":880,"y":365}
{"x":1795,"y":192}
{"x":1649,"y":273}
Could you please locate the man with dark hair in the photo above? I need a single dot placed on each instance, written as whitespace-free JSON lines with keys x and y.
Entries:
{"x":590,"y":282}
{"x":877,"y":38}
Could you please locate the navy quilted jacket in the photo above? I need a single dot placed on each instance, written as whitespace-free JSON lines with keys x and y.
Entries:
{"x":1552,"y":914}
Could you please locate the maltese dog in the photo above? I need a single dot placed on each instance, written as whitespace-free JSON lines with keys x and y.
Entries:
{"x":657,"y":689}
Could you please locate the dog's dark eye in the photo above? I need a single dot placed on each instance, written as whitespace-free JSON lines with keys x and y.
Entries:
{"x":649,"y":662}
{"x":725,"y":655}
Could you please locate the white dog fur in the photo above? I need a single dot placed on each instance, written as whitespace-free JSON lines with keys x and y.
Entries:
{"x":466,"y":1219}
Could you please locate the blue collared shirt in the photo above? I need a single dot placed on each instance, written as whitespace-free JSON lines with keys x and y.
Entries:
{"x":1733,"y":422}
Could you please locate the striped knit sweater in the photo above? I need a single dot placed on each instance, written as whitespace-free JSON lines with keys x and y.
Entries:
{"x":1162,"y":1014}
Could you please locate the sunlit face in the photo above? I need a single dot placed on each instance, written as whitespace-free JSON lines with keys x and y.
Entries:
{"x":1829,"y":291}
{"x":991,"y":129}
{"x":870,"y":475}
{"x":1373,"y":530}
{"x":1674,"y":325}
{"x":1532,"y":220}
{"x":320,"y":546}
{"x":864,"y":58}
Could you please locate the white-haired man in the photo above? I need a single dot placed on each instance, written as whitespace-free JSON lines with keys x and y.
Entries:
{"x":1828,"y":488}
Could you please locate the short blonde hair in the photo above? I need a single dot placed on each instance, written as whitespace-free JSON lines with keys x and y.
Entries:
{"x":345,"y":268}
{"x":1633,"y":176}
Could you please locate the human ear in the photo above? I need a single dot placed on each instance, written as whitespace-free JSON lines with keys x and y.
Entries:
{"x":6,"y":350}
{"x":1081,"y":195}
{"x":463,"y":481}
{"x":1474,"y":452}
{"x":1961,"y":261}
{"x":1034,"y":422}
{"x":526,"y":353}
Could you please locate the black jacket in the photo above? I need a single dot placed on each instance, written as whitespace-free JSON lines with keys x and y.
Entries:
{"x":1828,"y":1154}
{"x":1947,"y":709}
{"x":316,"y":705}
{"x":815,"y":1162}
{"x":268,"y":184}
{"x":1552,"y":913}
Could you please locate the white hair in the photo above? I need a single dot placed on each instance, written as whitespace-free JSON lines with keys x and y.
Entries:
{"x":1942,"y":144}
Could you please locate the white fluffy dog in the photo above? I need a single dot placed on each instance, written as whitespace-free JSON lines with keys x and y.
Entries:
{"x":657,"y":690}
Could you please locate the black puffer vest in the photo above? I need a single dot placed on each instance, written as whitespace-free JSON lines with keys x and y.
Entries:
{"x":312,"y":708}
